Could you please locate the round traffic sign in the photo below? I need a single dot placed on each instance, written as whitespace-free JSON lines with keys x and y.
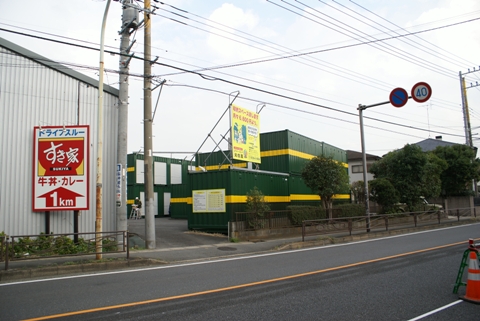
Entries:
{"x":398,"y":97}
{"x":421,"y":92}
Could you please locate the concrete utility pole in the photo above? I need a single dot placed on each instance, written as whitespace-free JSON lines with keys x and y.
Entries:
{"x":99,"y":190}
{"x":129,"y":21}
{"x":147,"y":132}
{"x":466,"y":114}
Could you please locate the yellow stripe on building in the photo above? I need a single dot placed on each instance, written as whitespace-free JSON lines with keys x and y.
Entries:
{"x":220,"y":167}
{"x":304,"y":197}
{"x":230,"y":199}
{"x":277,"y":199}
{"x":312,"y":197}
{"x":281,"y":152}
{"x":130,"y":169}
{"x":187,"y":200}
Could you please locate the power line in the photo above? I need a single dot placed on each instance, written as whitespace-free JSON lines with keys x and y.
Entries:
{"x":207,"y":77}
{"x":379,"y":46}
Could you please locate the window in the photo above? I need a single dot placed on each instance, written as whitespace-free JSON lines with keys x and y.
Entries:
{"x":160,"y":173}
{"x":357,"y":168}
{"x":175,"y":174}
{"x":139,"y":170}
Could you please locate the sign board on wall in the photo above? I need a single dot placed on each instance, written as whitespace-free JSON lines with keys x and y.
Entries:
{"x":60,"y":168}
{"x":245,"y":134}
{"x":209,"y":201}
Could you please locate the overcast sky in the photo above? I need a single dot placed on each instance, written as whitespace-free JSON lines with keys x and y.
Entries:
{"x":352,"y":52}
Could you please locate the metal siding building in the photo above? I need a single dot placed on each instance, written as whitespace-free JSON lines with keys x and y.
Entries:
{"x":278,"y":177}
{"x":35,"y":91}
{"x":237,"y":183}
{"x":170,"y":178}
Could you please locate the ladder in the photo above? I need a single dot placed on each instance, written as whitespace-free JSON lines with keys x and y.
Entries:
{"x":134,"y":214}
{"x":465,"y":261}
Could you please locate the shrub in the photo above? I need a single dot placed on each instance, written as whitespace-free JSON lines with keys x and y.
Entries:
{"x":256,"y":204}
{"x":298,"y":214}
{"x":349,"y":210}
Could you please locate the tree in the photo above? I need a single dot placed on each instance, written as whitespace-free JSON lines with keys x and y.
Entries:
{"x":461,"y":169}
{"x":384,"y":193}
{"x":326,"y":177}
{"x":412,"y":173}
{"x":358,"y":190}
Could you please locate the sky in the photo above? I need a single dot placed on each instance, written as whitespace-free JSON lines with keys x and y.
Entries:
{"x":310,"y":63}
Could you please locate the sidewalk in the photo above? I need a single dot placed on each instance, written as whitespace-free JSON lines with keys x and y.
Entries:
{"x":175,"y":244}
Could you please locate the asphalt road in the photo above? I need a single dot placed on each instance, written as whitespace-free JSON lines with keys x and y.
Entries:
{"x":395,"y":278}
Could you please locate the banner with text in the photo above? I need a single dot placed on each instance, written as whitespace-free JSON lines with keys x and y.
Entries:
{"x":245,"y":135}
{"x":60,"y":168}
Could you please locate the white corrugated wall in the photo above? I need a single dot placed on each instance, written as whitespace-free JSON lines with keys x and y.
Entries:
{"x":31,"y":95}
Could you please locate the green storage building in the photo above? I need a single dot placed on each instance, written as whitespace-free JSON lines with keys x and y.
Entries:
{"x":210,"y":191}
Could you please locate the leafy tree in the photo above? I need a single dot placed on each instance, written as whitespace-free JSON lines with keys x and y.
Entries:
{"x":433,"y":181}
{"x":412,"y":172}
{"x":384,"y":193}
{"x":461,"y":169}
{"x":358,"y":191}
{"x":326,"y":177}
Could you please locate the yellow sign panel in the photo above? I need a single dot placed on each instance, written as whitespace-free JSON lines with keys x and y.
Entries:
{"x":209,"y":201}
{"x":245,"y":135}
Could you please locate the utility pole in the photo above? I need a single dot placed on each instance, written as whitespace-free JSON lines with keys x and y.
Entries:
{"x":466,"y":114}
{"x":147,"y":132}
{"x":129,"y":21}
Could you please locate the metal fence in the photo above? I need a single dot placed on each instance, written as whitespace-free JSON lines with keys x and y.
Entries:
{"x":383,"y":222}
{"x":27,"y":247}
{"x":248,"y":221}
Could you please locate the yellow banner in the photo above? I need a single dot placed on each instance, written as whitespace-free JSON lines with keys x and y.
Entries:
{"x":245,"y":135}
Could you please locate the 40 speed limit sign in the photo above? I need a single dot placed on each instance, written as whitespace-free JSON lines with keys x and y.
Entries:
{"x":421,"y":92}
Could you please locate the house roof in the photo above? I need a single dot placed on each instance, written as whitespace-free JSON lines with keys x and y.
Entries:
{"x":430,"y":144}
{"x":55,"y":65}
{"x":353,"y":155}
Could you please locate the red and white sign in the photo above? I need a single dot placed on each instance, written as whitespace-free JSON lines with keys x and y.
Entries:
{"x":421,"y":92}
{"x":60,"y":168}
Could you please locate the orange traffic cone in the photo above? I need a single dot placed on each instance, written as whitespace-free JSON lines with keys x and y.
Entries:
{"x":473,"y":282}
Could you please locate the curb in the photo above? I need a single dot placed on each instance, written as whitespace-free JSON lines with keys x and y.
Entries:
{"x":64,"y":270}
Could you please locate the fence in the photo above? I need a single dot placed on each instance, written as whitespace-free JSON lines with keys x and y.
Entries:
{"x":27,"y":247}
{"x":247,"y":221}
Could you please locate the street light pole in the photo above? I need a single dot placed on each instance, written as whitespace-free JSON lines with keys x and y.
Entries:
{"x":364,"y":161}
{"x":361,"y":108}
{"x":99,"y":191}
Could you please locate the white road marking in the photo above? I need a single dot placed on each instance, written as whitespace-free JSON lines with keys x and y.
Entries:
{"x":436,"y":310}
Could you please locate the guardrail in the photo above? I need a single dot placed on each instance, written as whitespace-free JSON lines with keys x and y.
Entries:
{"x":27,"y":247}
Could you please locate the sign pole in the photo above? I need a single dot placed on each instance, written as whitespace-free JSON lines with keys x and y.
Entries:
{"x":361,"y":108}
{"x":364,"y":160}
{"x":421,"y":92}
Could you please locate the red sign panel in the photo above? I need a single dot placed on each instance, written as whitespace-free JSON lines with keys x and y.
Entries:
{"x":60,"y":168}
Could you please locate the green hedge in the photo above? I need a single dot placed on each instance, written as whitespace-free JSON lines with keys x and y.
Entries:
{"x":349,"y":210}
{"x":300,"y":213}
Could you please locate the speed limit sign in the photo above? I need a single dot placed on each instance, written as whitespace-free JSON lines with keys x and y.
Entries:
{"x":421,"y":92}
